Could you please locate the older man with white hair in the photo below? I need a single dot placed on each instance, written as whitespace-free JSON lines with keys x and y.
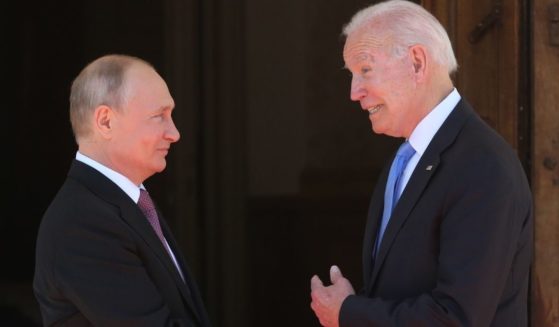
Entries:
{"x":449,"y":234}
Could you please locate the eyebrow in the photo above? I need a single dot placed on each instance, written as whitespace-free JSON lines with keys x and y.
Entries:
{"x":165,"y":108}
{"x":362,"y":57}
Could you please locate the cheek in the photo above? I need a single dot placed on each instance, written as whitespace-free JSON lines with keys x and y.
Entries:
{"x":375,"y":86}
{"x":150,"y":142}
{"x":145,"y":136}
{"x":400,"y":86}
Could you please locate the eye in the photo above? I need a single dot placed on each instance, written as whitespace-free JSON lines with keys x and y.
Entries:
{"x":365,"y":70}
{"x":158,"y":116}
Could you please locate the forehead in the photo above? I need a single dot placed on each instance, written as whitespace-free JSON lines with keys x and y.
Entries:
{"x":142,"y":78}
{"x":139,"y":75}
{"x":363,"y":45}
{"x":145,"y":85}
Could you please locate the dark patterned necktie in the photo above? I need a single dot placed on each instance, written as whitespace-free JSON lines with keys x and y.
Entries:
{"x":148,"y":208}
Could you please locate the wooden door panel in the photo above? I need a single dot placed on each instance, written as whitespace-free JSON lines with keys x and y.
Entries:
{"x":545,"y":180}
{"x":488,"y":73}
{"x":499,"y":75}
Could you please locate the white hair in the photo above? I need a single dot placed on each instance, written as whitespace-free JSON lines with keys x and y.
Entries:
{"x":406,"y":23}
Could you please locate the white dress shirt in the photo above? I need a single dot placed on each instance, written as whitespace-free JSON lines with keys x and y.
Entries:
{"x":426,"y":130}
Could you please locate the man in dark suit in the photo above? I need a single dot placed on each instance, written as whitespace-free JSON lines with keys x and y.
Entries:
{"x":105,"y":256}
{"x":448,"y":240}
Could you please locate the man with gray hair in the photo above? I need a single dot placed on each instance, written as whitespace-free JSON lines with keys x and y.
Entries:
{"x":449,"y":234}
{"x":105,"y":256}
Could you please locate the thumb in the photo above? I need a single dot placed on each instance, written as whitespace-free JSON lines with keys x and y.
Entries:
{"x":316,"y":283}
{"x":335,"y":274}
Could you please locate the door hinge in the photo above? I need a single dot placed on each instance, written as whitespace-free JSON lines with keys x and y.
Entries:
{"x":486,"y":23}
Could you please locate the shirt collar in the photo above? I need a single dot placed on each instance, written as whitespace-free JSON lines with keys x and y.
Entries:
{"x":430,"y":124}
{"x":131,"y":189}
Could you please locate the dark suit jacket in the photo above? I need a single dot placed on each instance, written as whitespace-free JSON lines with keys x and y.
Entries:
{"x":458,"y":248}
{"x":99,"y":262}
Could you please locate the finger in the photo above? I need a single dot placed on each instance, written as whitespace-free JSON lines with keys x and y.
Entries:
{"x":317,"y":306}
{"x":316,"y":283}
{"x":314,"y":306}
{"x":318,"y":309}
{"x":335,"y":274}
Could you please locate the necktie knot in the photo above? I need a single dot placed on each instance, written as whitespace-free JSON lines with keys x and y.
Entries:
{"x":405,"y":151}
{"x":148,"y":208}
{"x":404,"y":154}
{"x":394,"y":184}
{"x":145,"y":202}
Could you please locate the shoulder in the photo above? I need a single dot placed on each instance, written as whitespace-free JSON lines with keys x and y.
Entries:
{"x":75,"y":215}
{"x":75,"y":202}
{"x":480,"y":157}
{"x":479,"y":143}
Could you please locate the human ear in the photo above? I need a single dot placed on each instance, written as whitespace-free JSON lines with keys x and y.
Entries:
{"x":103,"y":119}
{"x":418,"y":56}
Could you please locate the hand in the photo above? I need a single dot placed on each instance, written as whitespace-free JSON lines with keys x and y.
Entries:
{"x":327,"y":300}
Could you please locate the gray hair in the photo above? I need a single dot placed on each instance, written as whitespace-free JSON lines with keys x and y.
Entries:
{"x":102,"y":82}
{"x":407,"y":23}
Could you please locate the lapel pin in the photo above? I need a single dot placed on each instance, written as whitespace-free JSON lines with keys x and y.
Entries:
{"x":429,"y":167}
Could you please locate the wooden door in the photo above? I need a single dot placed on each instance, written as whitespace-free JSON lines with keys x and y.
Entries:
{"x":488,"y":42}
{"x":510,"y":74}
{"x":545,"y":168}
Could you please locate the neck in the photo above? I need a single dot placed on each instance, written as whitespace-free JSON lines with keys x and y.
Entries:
{"x":436,"y":92}
{"x":100,"y":154}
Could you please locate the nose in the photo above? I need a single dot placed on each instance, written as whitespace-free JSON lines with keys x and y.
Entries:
{"x":172,"y":134}
{"x":357,"y":91}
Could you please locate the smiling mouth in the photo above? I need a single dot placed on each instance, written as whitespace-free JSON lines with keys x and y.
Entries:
{"x":374,"y":109}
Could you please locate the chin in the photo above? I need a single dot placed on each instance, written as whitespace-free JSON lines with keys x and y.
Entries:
{"x":377,"y":130}
{"x":160,"y":166}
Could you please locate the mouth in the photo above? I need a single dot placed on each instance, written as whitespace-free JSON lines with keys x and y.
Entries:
{"x":374,"y":109}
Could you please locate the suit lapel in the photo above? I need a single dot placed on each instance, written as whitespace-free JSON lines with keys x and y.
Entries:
{"x":373,"y":222}
{"x":188,"y":287}
{"x":133,"y":216}
{"x":417,"y":183}
{"x":425,"y":169}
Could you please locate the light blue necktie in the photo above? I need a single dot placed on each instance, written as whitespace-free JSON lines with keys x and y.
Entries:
{"x":393,"y":188}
